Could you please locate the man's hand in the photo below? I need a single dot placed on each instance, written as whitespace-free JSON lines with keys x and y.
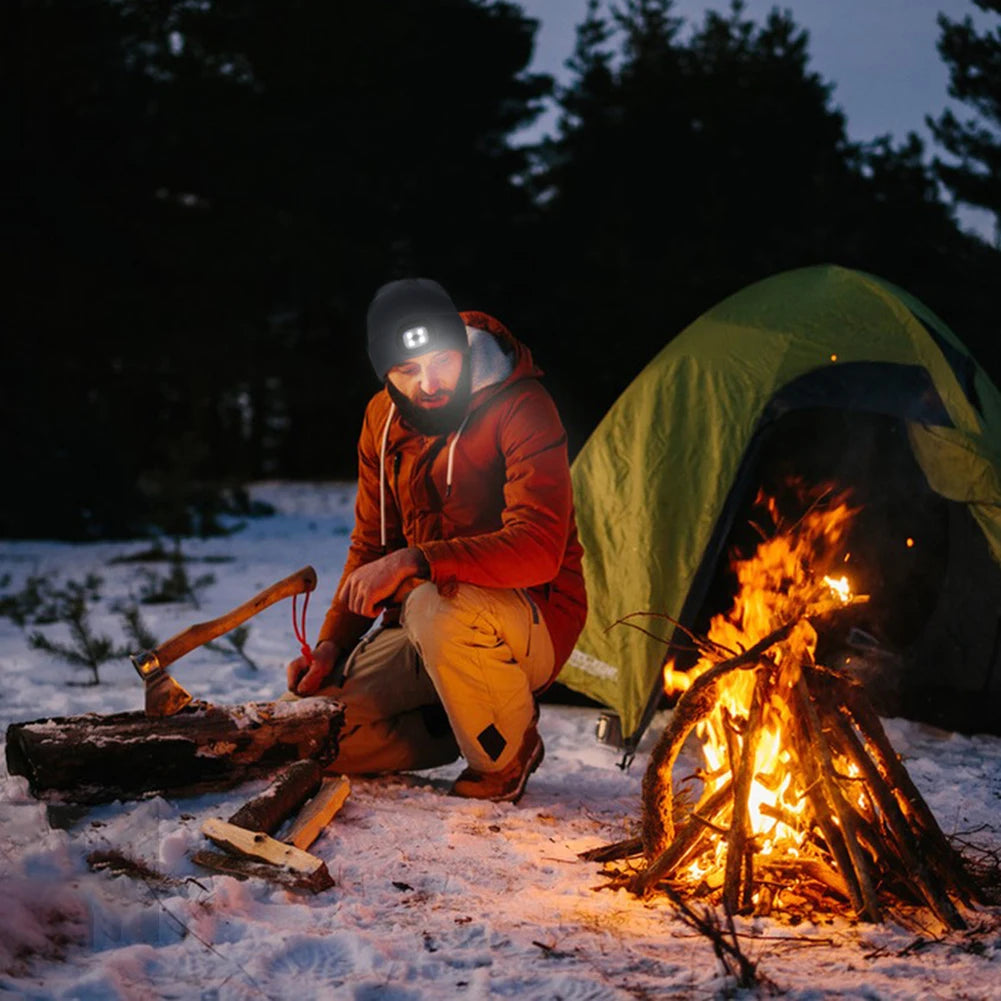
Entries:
{"x":373,"y":583}
{"x":305,"y":678}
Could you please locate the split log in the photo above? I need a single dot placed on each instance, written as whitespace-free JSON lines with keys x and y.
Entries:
{"x":98,"y":758}
{"x":268,"y":811}
{"x":318,"y":812}
{"x":259,"y":847}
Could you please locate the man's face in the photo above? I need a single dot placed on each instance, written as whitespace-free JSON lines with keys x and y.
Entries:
{"x":428,"y":381}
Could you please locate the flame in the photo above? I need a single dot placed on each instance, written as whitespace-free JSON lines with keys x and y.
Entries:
{"x":781,"y":582}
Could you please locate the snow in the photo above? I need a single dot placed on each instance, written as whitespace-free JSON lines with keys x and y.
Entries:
{"x":435,"y":898}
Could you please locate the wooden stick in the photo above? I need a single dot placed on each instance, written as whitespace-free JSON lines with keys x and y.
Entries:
{"x":931,"y":840}
{"x":906,"y":844}
{"x":318,"y":812}
{"x":813,"y":869}
{"x":736,"y":841}
{"x":846,"y":819}
{"x":685,"y":841}
{"x":693,"y":706}
{"x":617,"y":850}
{"x":807,"y":755}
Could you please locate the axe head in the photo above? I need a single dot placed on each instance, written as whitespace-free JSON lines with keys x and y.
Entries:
{"x":164,"y":696}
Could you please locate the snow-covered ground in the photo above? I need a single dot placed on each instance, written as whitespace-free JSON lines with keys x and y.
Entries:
{"x":435,"y":898}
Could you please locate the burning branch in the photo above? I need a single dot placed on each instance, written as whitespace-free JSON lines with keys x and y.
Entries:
{"x":861,"y":823}
{"x":803,"y":794}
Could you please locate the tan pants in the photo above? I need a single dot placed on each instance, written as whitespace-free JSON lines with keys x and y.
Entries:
{"x":456,"y":676}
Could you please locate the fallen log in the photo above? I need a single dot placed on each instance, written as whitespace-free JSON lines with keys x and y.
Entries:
{"x":98,"y":758}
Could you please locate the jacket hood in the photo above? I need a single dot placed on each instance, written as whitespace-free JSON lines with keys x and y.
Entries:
{"x":492,"y":373}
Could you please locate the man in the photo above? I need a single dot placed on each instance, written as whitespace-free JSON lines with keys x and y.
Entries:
{"x":465,"y":537}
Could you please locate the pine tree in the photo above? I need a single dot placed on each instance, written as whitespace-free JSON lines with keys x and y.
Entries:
{"x":974,"y":61}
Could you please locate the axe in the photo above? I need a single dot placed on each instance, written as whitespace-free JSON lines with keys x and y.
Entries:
{"x":164,"y":696}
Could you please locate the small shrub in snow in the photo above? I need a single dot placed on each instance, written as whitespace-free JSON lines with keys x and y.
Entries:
{"x":236,"y":641}
{"x":87,"y":650}
{"x":175,"y":585}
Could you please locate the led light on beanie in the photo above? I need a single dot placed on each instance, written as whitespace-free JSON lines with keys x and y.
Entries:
{"x":415,"y":337}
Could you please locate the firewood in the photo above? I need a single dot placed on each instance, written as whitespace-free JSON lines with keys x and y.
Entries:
{"x":293,"y":786}
{"x":905,"y":842}
{"x":97,"y":758}
{"x":930,"y":837}
{"x":245,"y":868}
{"x":829,"y":805}
{"x":736,"y":840}
{"x":318,"y":812}
{"x":697,"y":703}
{"x":811,"y":868}
{"x":687,"y":839}
{"x":616,"y":850}
{"x":260,"y":847}
{"x":858,"y":809}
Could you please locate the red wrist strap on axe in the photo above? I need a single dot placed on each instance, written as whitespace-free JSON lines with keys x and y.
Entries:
{"x":299,"y":628}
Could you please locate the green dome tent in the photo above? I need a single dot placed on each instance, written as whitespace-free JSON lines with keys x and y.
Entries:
{"x":660,"y":482}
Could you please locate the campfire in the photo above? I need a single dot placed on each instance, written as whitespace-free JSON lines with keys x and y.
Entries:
{"x":803,"y":802}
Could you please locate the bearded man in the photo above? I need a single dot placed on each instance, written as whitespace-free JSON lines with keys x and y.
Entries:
{"x":464,"y":542}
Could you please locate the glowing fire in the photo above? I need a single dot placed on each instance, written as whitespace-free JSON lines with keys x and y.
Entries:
{"x":786,"y":579}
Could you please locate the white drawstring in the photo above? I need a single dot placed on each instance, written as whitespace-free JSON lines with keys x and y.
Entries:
{"x":382,"y":476}
{"x":451,"y":457}
{"x":382,"y":469}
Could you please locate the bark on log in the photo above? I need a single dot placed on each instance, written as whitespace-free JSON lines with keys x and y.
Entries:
{"x":905,"y":843}
{"x":813,"y":737}
{"x":96,"y":758}
{"x":933,"y":843}
{"x":268,"y":811}
{"x":740,"y":826}
{"x":246,"y":868}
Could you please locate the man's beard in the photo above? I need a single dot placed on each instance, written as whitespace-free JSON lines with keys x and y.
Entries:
{"x":436,"y":420}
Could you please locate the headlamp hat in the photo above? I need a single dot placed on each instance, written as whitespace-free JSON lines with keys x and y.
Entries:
{"x":410,"y":317}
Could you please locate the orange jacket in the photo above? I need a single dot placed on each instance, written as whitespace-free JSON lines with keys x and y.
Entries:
{"x":506,"y":519}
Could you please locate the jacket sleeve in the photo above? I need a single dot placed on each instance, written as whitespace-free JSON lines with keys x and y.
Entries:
{"x":340,"y":624}
{"x":527,"y":550}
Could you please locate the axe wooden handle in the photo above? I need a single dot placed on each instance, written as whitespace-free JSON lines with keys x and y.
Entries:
{"x":194,"y":636}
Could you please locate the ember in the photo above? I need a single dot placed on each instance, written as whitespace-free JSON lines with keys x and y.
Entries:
{"x":803,"y":798}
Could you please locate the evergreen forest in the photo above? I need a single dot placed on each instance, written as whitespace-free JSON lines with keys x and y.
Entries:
{"x":207,"y":195}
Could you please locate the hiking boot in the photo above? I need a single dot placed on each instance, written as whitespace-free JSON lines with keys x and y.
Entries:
{"x":507,"y":785}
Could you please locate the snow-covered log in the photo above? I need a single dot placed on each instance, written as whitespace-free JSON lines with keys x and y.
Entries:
{"x":96,"y":758}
